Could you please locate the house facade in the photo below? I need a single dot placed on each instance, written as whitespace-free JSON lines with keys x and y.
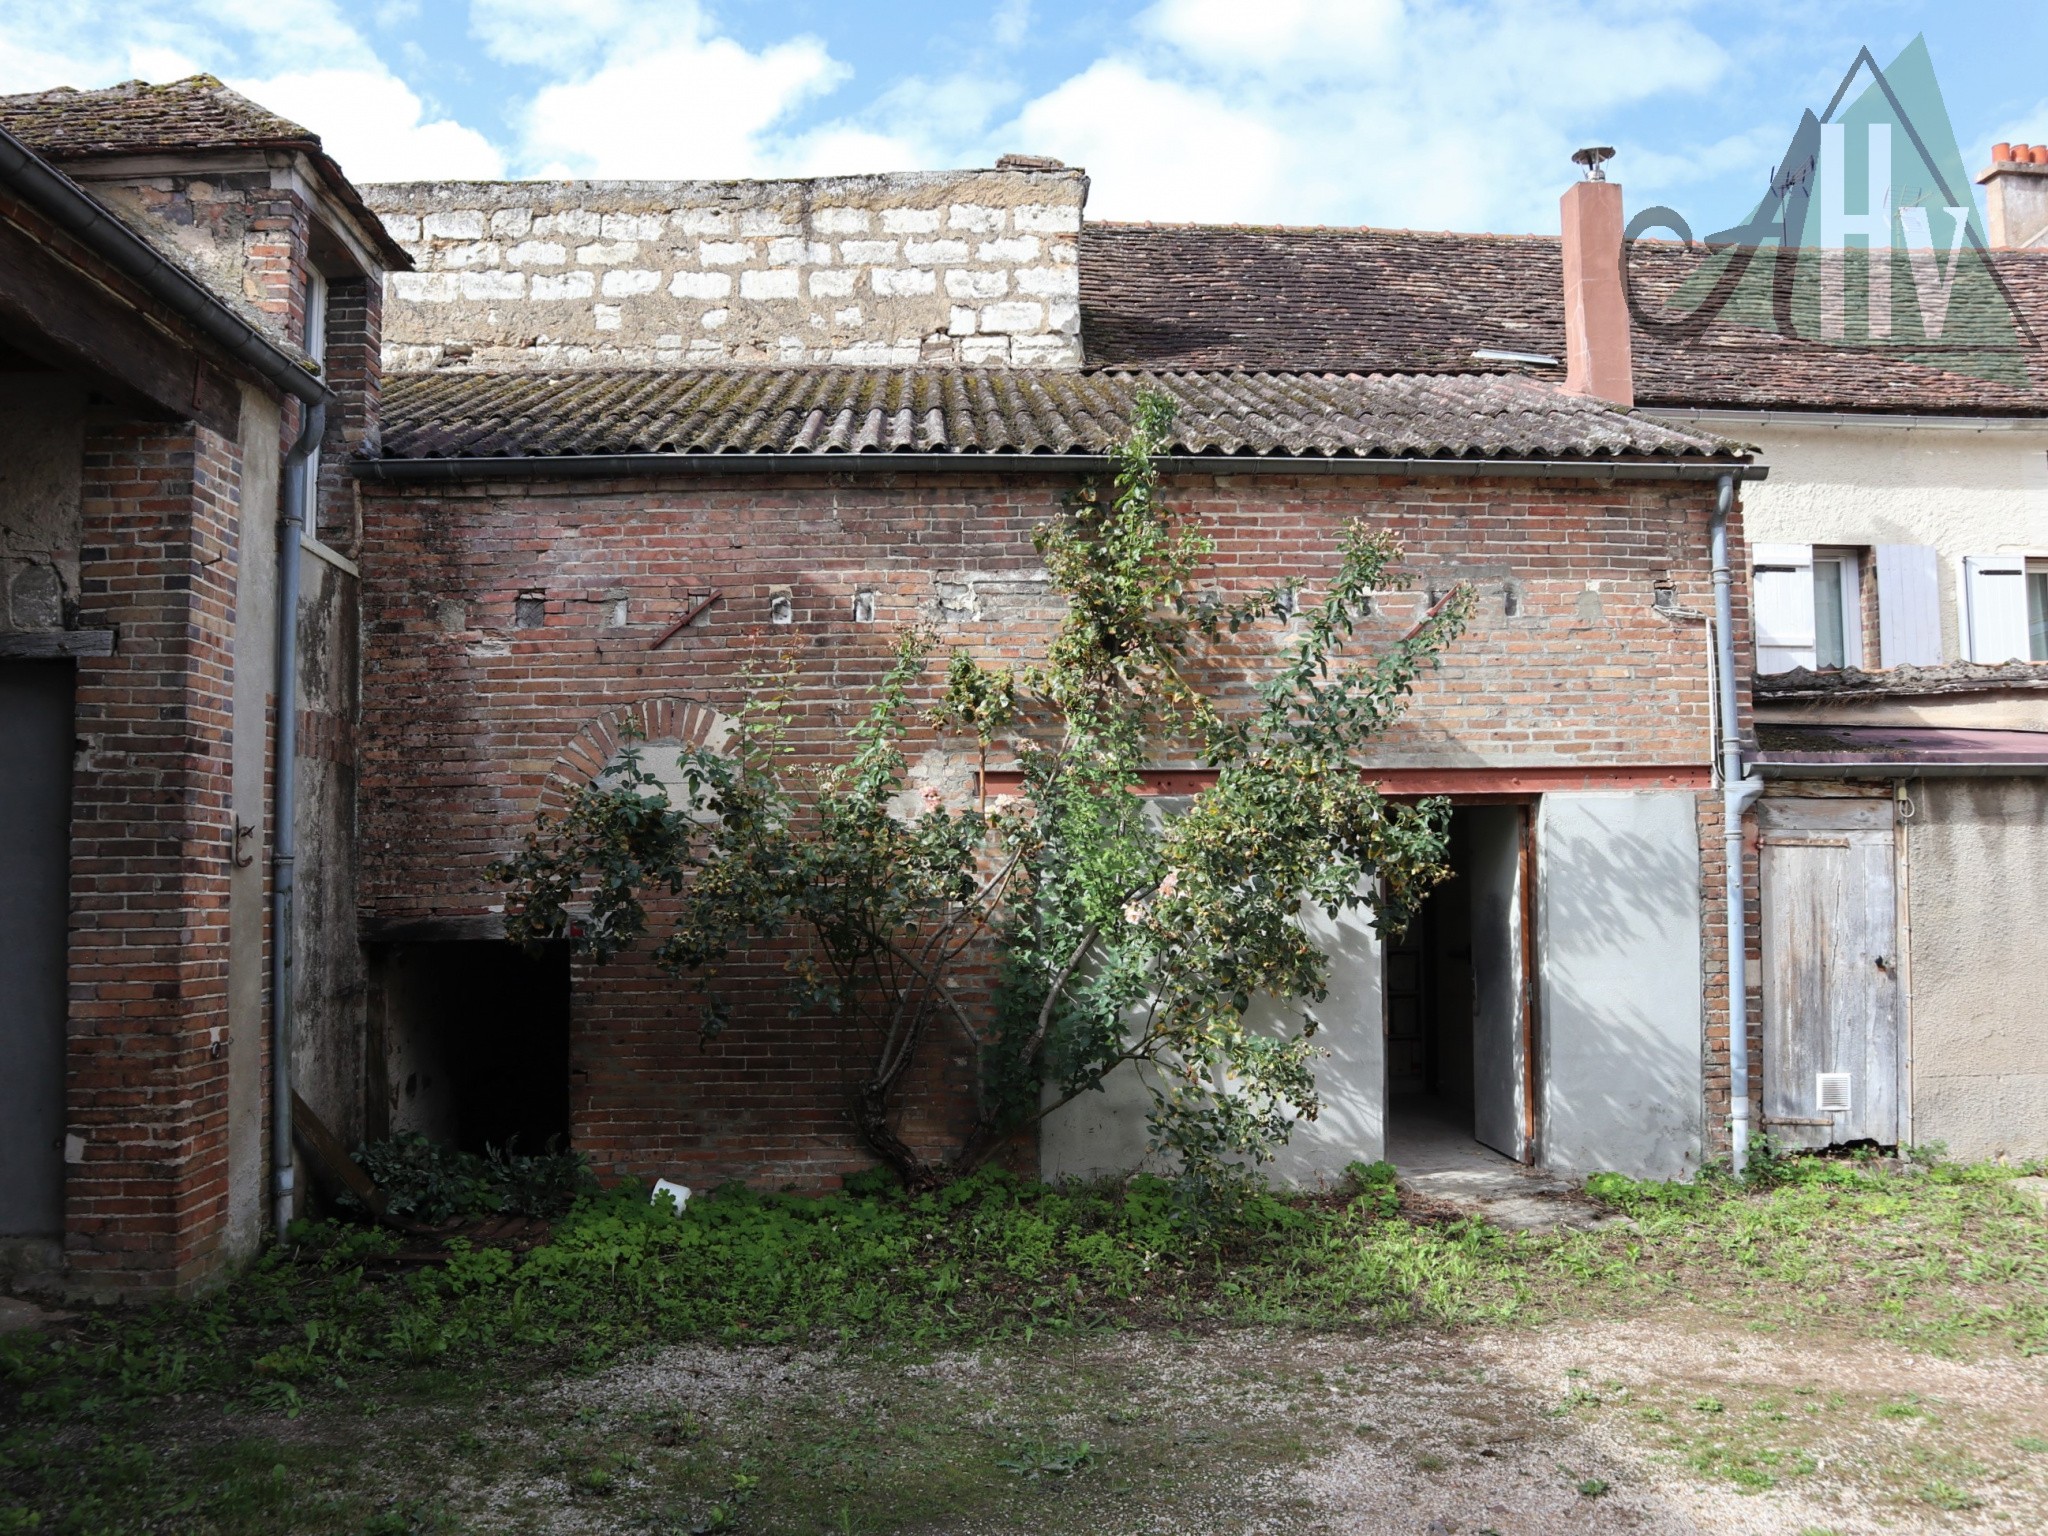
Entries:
{"x":190,"y":293}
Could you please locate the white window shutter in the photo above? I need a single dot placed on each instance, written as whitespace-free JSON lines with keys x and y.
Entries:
{"x":1995,"y":593}
{"x":1908,"y":605}
{"x":1781,"y":592}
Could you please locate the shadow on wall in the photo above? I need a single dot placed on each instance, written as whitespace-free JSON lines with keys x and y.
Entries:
{"x":469,"y":1043}
{"x":1621,"y":1023}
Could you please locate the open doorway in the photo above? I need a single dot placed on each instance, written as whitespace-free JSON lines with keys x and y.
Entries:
{"x":469,"y":1043}
{"x":1460,"y":1035}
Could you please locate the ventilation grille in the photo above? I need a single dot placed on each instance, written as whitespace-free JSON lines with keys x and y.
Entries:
{"x":1831,"y":1092}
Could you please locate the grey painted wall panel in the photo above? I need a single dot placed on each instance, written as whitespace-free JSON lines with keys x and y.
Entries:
{"x":1618,"y":956}
{"x":1977,"y":850}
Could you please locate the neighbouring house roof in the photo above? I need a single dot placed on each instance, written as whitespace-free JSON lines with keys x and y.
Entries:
{"x":1378,"y":300}
{"x":1849,"y":684}
{"x":189,"y":116}
{"x":853,"y":411}
{"x":1894,"y":751}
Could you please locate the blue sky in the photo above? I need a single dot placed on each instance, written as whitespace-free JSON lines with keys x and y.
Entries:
{"x":1453,"y":114}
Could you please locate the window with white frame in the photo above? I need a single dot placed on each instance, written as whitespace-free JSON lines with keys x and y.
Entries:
{"x":1808,"y":604}
{"x":2037,"y":610}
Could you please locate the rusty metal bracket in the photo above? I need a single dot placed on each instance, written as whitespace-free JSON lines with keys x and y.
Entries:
{"x":684,"y":622}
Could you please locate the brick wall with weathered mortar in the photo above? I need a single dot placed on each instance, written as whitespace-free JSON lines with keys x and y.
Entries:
{"x":973,"y":268}
{"x":471,"y":706}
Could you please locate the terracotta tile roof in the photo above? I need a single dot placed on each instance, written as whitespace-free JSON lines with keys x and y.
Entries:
{"x":1004,"y":411}
{"x":1220,"y":296}
{"x":193,"y":115}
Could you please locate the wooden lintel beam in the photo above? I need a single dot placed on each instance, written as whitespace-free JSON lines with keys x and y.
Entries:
{"x":63,"y":314}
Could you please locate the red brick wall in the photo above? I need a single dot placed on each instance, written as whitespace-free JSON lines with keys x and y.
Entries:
{"x":466,"y":713}
{"x":151,"y":822}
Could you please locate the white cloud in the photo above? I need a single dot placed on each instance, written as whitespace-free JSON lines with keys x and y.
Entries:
{"x":1404,"y":112}
{"x":370,"y":122}
{"x":303,"y":59}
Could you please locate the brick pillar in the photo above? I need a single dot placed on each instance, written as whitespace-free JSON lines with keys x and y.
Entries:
{"x":355,"y":372}
{"x":152,"y":822}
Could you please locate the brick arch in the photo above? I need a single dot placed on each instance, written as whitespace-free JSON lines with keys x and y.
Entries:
{"x":657,"y":720}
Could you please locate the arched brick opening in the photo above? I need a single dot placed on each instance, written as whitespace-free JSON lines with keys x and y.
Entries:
{"x":669,"y":720}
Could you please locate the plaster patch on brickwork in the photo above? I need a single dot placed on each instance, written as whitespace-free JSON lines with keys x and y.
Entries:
{"x":744,"y":257}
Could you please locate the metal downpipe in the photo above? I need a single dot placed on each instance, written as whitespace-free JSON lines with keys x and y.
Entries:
{"x":1737,"y":795}
{"x":283,"y":837}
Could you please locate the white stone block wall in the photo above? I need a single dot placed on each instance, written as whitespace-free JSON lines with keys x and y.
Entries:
{"x":975,"y":268}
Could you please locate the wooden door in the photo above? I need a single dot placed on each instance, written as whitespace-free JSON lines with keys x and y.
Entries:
{"x":1830,"y":972}
{"x":1499,"y":995}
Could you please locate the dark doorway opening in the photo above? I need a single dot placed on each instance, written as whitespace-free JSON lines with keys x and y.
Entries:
{"x":36,"y":728}
{"x":1458,"y":998}
{"x":469,"y":1043}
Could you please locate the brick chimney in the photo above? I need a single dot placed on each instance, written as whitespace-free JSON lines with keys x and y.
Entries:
{"x":1597,"y":359}
{"x":2016,"y":195}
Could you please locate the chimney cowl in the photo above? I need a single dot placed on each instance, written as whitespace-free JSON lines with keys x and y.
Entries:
{"x":1593,"y":159}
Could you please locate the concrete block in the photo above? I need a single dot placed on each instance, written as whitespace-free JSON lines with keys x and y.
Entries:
{"x":975,"y":218}
{"x":631,"y":226}
{"x":493,"y":285}
{"x":714,"y":319}
{"x":630,"y":283}
{"x":423,"y":287}
{"x":537,"y":253}
{"x":877,"y":354}
{"x":1046,"y":219}
{"x":702,"y":221}
{"x":833,"y":285}
{"x":1021,"y":248}
{"x":402,"y":227}
{"x":564,"y":285}
{"x":977,"y":285}
{"x":978,"y":350}
{"x":607,"y":253}
{"x":867,"y":253}
{"x":1042,"y":351}
{"x":792,"y":252}
{"x":851,"y":315}
{"x":725,"y":253}
{"x":779,"y":284}
{"x":1049,"y":282}
{"x":457,"y":224}
{"x":841,"y":221}
{"x":910,"y":221}
{"x":765,"y":221}
{"x":903,"y":282}
{"x":961,"y":322}
{"x":606,"y":317}
{"x":701,"y":285}
{"x":702,"y":351}
{"x":511,"y":223}
{"x":1015,"y":316}
{"x":574,"y":223}
{"x":1063,"y":317}
{"x":934,"y":253}
{"x":474,"y":253}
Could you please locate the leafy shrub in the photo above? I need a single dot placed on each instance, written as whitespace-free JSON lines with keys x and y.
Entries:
{"x":429,"y":1182}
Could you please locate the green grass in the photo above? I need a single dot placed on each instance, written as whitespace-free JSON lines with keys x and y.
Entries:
{"x":180,"y":1417}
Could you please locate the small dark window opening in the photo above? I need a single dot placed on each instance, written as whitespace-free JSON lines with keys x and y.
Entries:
{"x":780,"y":610}
{"x":863,"y":607}
{"x":529,"y":610}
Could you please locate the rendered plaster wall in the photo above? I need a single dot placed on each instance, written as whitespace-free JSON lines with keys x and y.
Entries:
{"x":42,"y":421}
{"x":1965,"y":489}
{"x":1976,"y":849}
{"x":952,"y":267}
{"x":1104,"y":1134}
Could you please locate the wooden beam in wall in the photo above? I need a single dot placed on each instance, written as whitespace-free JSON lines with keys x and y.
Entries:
{"x":62,"y":315}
